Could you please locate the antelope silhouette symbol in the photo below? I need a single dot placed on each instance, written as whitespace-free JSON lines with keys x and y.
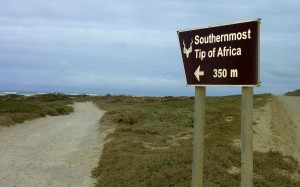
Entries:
{"x":189,"y":50}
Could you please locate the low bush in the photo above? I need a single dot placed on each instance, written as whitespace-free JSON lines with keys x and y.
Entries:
{"x":16,"y":108}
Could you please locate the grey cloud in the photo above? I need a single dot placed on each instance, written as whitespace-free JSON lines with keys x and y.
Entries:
{"x":100,"y":45}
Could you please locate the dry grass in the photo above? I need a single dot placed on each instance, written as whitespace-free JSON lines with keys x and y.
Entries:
{"x":6,"y":121}
{"x":152,"y":144}
{"x":16,"y":108}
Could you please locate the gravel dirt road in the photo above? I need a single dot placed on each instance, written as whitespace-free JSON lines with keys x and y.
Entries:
{"x":278,"y":126}
{"x":52,"y":151}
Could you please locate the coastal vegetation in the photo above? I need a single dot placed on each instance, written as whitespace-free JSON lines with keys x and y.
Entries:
{"x":293,"y":93}
{"x":152,"y":144}
{"x":18,"y":108}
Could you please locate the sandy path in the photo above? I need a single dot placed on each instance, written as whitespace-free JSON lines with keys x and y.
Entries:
{"x":52,"y":151}
{"x":292,"y":105}
{"x":278,"y":126}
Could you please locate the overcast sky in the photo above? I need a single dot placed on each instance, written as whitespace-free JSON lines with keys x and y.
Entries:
{"x":131,"y":47}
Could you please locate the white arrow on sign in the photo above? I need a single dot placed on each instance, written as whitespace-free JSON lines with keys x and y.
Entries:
{"x":198,"y":73}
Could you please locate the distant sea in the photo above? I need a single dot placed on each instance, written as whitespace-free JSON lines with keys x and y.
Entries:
{"x":31,"y":93}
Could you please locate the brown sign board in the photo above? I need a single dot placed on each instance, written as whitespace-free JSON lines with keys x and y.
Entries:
{"x":222,"y":55}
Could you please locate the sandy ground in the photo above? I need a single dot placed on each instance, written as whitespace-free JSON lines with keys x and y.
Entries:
{"x":52,"y":151}
{"x":278,"y":126}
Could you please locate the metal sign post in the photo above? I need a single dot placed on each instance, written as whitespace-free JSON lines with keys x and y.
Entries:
{"x":198,"y":143}
{"x":223,"y":55}
{"x":246,"y":136}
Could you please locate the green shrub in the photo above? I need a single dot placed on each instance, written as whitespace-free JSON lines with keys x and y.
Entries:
{"x":19,"y":108}
{"x":50,"y":111}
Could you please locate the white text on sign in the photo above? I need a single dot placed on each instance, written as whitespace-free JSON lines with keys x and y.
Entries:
{"x":222,"y":73}
{"x":222,"y":52}
{"x":211,"y":38}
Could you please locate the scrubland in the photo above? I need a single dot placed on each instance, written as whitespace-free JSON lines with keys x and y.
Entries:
{"x":152,"y":144}
{"x":150,"y":139}
{"x":17,"y":108}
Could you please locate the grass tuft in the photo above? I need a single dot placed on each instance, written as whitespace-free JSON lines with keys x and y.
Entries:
{"x":6,"y":121}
